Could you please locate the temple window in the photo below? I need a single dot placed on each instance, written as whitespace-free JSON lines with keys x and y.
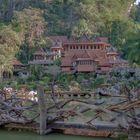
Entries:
{"x":89,"y":62}
{"x":84,"y":62}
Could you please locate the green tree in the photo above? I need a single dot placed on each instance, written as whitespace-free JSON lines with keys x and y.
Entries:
{"x":31,"y":27}
{"x":119,"y":32}
{"x":132,"y":48}
{"x":135,"y":13}
{"x":80,"y":29}
{"x":9,"y":42}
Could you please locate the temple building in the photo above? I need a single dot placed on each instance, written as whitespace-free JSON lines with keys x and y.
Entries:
{"x":57,"y":45}
{"x":89,"y":56}
{"x":83,"y":55}
{"x":40,"y":57}
{"x":19,"y":68}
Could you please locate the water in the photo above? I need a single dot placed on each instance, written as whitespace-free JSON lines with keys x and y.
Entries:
{"x":12,"y":135}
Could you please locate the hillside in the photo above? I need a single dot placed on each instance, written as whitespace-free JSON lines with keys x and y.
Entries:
{"x":25,"y":25}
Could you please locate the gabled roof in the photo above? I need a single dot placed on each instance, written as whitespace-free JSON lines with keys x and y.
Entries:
{"x":95,"y":55}
{"x":87,"y":40}
{"x":58,"y":38}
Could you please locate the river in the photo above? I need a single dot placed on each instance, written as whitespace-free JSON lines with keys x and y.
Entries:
{"x":14,"y":135}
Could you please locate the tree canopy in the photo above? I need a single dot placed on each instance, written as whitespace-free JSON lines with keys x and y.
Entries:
{"x":9,"y":42}
{"x":32,"y":20}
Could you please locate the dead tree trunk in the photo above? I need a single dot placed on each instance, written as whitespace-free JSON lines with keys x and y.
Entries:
{"x":42,"y":109}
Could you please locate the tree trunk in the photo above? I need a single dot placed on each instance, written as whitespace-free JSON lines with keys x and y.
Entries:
{"x":42,"y":109}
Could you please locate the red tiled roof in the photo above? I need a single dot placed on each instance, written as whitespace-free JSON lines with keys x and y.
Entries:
{"x":95,"y":55}
{"x":66,"y":62}
{"x":104,"y":62}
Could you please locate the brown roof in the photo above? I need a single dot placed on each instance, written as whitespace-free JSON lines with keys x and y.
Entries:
{"x":58,"y":38}
{"x":87,"y":40}
{"x":81,"y":39}
{"x":95,"y":55}
{"x":103,"y":62}
{"x":86,"y":43}
{"x":67,"y":60}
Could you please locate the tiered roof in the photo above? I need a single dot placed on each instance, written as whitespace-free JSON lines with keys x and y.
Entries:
{"x":95,"y":55}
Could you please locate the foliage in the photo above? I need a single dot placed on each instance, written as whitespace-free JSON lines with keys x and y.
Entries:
{"x":135,"y":13}
{"x":132,"y":48}
{"x":32,"y":26}
{"x":98,"y":81}
{"x":36,"y":72}
{"x":28,"y":21}
{"x":53,"y":71}
{"x":57,"y":62}
{"x":9,"y":42}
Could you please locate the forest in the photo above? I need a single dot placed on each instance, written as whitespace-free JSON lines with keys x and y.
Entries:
{"x":25,"y":25}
